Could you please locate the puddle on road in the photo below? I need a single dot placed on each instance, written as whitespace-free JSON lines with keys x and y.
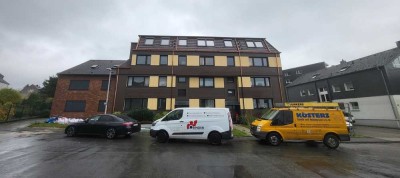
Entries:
{"x":28,"y":133}
{"x":224,"y":171}
{"x":325,"y":169}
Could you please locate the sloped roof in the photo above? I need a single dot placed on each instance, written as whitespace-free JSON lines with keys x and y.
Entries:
{"x":2,"y":80}
{"x":92,"y":67}
{"x":365,"y":63}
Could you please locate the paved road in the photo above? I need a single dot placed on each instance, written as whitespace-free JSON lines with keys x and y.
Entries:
{"x":48,"y":153}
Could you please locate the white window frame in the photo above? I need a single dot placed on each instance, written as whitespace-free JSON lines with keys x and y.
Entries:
{"x":346,"y":87}
{"x":149,"y":41}
{"x":229,"y":42}
{"x":288,"y":81}
{"x":182,"y":42}
{"x":298,"y":72}
{"x":352,"y":106}
{"x":164,"y":42}
{"x":302,"y":93}
{"x":396,"y":62}
{"x":334,"y":89}
{"x":310,"y":93}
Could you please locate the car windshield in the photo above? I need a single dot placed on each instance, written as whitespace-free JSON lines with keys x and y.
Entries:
{"x":270,"y":114}
{"x":126,"y":118}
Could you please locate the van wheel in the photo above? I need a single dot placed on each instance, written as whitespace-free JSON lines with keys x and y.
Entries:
{"x":331,"y":141}
{"x":162,"y":136}
{"x":215,"y":138}
{"x":274,"y":139}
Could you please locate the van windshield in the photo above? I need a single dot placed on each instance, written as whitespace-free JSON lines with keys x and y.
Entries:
{"x":270,"y":114}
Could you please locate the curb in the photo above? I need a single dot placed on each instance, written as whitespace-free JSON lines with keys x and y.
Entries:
{"x":3,"y":122}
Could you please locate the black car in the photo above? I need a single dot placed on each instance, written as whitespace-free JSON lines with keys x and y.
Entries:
{"x":108,"y":125}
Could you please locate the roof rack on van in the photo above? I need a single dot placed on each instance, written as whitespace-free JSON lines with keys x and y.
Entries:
{"x":310,"y":105}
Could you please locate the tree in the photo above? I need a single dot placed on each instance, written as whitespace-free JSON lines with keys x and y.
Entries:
{"x":49,"y":86}
{"x":9,"y":95}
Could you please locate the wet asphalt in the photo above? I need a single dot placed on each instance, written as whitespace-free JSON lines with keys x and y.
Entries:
{"x":27,"y":152}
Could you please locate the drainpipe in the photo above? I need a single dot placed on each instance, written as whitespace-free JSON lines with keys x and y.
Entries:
{"x":396,"y":115}
{"x":172,"y":71}
{"x":279,"y":78}
{"x":116,"y":89}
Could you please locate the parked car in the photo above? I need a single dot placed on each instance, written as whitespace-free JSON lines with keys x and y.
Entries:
{"x":212,"y":124}
{"x":108,"y":125}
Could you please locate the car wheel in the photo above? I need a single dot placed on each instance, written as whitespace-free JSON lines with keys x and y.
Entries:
{"x":274,"y":139}
{"x":215,"y":138}
{"x":71,"y":131}
{"x":162,"y":136}
{"x":111,"y":133}
{"x":331,"y":141}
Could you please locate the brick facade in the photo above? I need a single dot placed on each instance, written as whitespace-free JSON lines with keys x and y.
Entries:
{"x":92,"y":96}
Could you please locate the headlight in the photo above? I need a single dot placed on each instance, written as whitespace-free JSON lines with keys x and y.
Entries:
{"x":258,"y":128}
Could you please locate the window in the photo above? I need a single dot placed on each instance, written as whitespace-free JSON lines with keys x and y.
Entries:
{"x":182,"y":42}
{"x":261,"y":103}
{"x":205,"y":43}
{"x":310,"y":93}
{"x":161,"y":104}
{"x":181,"y":92}
{"x":181,"y":79}
{"x":302,"y":93}
{"x":79,"y":85}
{"x":288,"y":81}
{"x":75,"y":106}
{"x":143,"y":60}
{"x":336,"y":88}
{"x":315,"y":75}
{"x":231,"y":92}
{"x":228,"y":43}
{"x":260,"y":82}
{"x":138,"y":81}
{"x":174,"y":115}
{"x":348,"y":86}
{"x":252,"y":44}
{"x":163,"y":60}
{"x":230,"y":80}
{"x":164,"y":42}
{"x":354,"y":106}
{"x":283,"y":118}
{"x":258,"y":61}
{"x":231,"y":61}
{"x":396,"y":63}
{"x":162,"y":81}
{"x":182,"y":60}
{"x":287,"y":75}
{"x":344,"y":68}
{"x":135,"y":103}
{"x":104,"y":85}
{"x":106,"y":118}
{"x":149,"y":41}
{"x":102,"y":106}
{"x":206,"y":61}
{"x":207,"y":103}
{"x":298,"y":72}
{"x":206,"y":82}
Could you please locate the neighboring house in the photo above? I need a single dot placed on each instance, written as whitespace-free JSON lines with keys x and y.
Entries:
{"x":368,"y":86}
{"x":166,"y":72}
{"x":292,"y":74}
{"x":29,"y":89}
{"x":3,"y":83}
{"x":82,"y":90}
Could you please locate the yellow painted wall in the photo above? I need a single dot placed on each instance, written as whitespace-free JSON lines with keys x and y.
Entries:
{"x":169,"y":79}
{"x":220,"y":103}
{"x":152,"y":103}
{"x":168,"y":103}
{"x":248,"y":103}
{"x":172,"y":60}
{"x":155,"y":60}
{"x":237,"y":61}
{"x":219,"y":82}
{"x":244,"y":59}
{"x":246,"y":82}
{"x":194,"y":82}
{"x":153,"y":81}
{"x":133,"y":59}
{"x":221,"y":61}
{"x":193,"y":60}
{"x":274,"y":62}
{"x":194,"y":103}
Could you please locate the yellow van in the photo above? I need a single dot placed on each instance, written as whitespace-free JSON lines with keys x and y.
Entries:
{"x":303,"y":121}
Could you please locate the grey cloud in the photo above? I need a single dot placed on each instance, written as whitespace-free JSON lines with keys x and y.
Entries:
{"x":41,"y":38}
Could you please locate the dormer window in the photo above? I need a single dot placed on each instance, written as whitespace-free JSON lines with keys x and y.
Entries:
{"x":253,"y":44}
{"x":149,"y":41}
{"x":164,"y":42}
{"x":344,"y":68}
{"x":205,"y":43}
{"x":315,"y":75}
{"x":228,"y":43}
{"x":182,"y":43}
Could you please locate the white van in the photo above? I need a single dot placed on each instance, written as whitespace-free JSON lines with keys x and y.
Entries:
{"x":213,"y":124}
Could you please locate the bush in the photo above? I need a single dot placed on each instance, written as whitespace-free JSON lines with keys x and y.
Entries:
{"x":141,"y":115}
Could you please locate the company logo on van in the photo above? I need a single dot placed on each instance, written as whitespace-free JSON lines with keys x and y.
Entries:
{"x":192,"y":125}
{"x":312,"y":115}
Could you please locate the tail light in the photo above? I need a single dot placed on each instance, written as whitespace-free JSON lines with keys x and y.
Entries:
{"x":230,"y":121}
{"x":128,"y":124}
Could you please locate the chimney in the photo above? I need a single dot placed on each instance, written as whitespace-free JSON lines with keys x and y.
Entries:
{"x":398,"y":44}
{"x":342,"y":61}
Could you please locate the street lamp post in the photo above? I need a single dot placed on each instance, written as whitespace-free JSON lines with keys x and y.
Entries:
{"x":108,"y":90}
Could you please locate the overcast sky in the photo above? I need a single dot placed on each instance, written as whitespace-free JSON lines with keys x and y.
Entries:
{"x":38,"y":39}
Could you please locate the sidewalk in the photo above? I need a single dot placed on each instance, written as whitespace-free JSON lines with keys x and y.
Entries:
{"x":363,"y":134}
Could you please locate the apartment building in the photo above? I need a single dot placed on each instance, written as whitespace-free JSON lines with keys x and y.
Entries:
{"x":166,"y":72}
